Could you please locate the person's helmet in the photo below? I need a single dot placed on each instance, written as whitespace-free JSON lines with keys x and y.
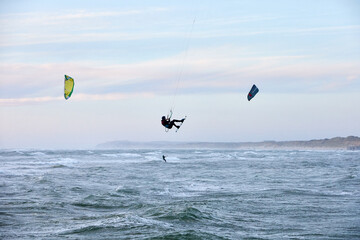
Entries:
{"x":163,"y":118}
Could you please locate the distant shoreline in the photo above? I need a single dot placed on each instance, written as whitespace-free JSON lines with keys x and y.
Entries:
{"x":336,"y":143}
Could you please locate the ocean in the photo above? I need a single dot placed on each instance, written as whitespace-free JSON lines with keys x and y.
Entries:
{"x":196,"y":194}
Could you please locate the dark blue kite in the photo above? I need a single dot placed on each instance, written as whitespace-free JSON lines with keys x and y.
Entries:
{"x":254,"y":90}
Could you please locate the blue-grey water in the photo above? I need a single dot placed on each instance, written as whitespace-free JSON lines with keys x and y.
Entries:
{"x":196,"y":194}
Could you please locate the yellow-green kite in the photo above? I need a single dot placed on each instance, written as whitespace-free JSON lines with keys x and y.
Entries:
{"x":68,"y":87}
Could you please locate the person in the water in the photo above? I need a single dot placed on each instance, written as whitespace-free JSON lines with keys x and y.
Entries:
{"x":164,"y":158}
{"x":166,"y":122}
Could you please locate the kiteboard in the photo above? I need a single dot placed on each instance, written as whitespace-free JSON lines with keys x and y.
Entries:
{"x":181,"y":124}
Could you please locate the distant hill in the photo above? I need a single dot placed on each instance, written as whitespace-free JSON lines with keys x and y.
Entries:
{"x":337,"y":143}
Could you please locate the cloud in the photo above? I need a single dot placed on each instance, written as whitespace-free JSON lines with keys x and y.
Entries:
{"x":17,"y":39}
{"x":22,"y":101}
{"x":74,"y":97}
{"x":68,"y":17}
{"x":236,"y":20}
{"x":136,"y":24}
{"x":74,"y":26}
{"x":216,"y":32}
{"x":92,"y":34}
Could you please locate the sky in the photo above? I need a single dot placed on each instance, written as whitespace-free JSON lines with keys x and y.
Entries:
{"x":133,"y":61}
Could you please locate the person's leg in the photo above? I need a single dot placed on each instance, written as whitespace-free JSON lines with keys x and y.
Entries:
{"x":175,"y":120}
{"x":172,"y":123}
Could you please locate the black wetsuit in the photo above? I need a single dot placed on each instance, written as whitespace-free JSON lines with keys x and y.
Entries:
{"x":169,"y":124}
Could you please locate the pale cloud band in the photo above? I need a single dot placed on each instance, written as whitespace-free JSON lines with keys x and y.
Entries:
{"x":89,"y":26}
{"x":226,"y":72}
{"x":75,"y":97}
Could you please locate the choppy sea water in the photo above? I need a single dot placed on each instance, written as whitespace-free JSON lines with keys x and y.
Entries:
{"x":196,"y":194}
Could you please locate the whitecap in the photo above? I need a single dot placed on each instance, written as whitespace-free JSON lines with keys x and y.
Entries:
{"x":37,"y":154}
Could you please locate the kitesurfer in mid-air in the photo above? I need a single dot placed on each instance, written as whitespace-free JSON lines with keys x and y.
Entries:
{"x":166,"y":122}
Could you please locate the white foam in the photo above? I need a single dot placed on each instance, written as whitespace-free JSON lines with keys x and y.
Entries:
{"x":37,"y":154}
